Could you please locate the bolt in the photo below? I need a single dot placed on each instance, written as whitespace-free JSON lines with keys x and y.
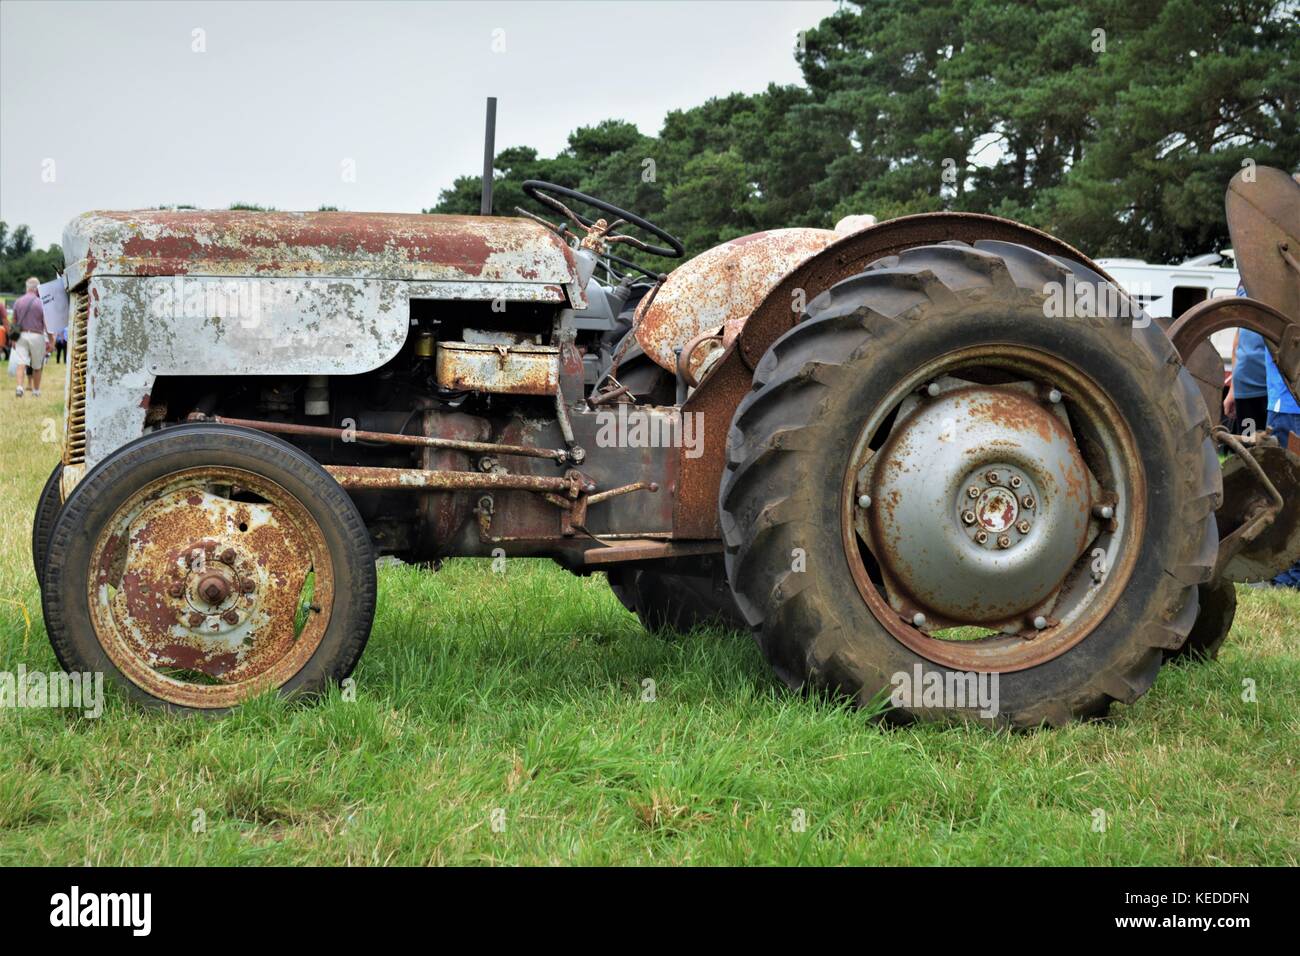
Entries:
{"x":177,"y":589}
{"x":1015,"y":481}
{"x":247,"y":585}
{"x":973,"y":492}
{"x":968,"y":517}
{"x":1004,"y":541}
{"x":1027,"y":501}
{"x":918,"y":619}
{"x":228,"y":556}
{"x":1105,"y":512}
{"x":932,"y":389}
{"x":992,"y":478}
{"x":1040,"y":622}
{"x":230,"y":617}
{"x":196,"y":619}
{"x":1054,"y":397}
{"x":981,"y":537}
{"x":1023,"y":527}
{"x":864,"y":501}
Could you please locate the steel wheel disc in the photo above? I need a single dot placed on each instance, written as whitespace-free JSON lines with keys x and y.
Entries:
{"x":199,"y":583}
{"x":1002,"y":491}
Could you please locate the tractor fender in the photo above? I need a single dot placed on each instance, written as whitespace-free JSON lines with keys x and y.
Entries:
{"x":718,"y":395}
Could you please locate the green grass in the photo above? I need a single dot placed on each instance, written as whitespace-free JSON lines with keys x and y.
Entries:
{"x":522,"y":692}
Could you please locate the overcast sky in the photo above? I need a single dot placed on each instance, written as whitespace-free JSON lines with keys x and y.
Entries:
{"x":130,"y":116}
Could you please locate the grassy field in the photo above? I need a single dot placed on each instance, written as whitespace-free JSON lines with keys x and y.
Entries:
{"x":499,"y":719}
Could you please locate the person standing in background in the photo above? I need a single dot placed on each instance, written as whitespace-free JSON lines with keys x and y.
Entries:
{"x":1247,"y":399}
{"x":34,"y":343}
{"x":61,"y":346}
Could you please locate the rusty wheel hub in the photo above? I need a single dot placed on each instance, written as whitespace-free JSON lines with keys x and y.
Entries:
{"x":971,"y":503}
{"x":983,"y":503}
{"x":202,"y":585}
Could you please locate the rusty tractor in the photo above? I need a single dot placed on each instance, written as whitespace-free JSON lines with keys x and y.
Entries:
{"x":896,"y":447}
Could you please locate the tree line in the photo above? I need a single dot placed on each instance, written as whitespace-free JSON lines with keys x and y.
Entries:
{"x":1114,"y":124}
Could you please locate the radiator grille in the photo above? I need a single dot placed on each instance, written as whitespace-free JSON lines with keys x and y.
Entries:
{"x":74,"y":445}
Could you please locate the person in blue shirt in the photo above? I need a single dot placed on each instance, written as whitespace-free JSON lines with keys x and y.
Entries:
{"x":1283,"y":410}
{"x":1247,"y":398}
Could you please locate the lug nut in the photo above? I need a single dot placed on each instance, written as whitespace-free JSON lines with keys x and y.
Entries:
{"x":247,"y":585}
{"x":1105,"y":512}
{"x":972,"y":492}
{"x":968,"y":517}
{"x":918,"y":619}
{"x":1004,"y":541}
{"x":1027,"y":501}
{"x":1040,"y":622}
{"x":196,"y":619}
{"x":1023,"y":527}
{"x":864,"y":501}
{"x":228,"y":556}
{"x":991,"y":478}
{"x":1015,"y":481}
{"x":177,"y":589}
{"x":981,"y":536}
{"x":230,"y":617}
{"x":1054,"y":397}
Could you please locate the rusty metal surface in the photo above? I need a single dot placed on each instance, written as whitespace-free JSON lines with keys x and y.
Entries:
{"x":195,"y":594}
{"x":696,"y":515}
{"x":1274,"y":547}
{"x":363,"y":478}
{"x":316,"y":244}
{"x":1202,"y":320}
{"x":1082,"y":602}
{"x":645,"y":549}
{"x":74,"y":413}
{"x":1263,"y":209}
{"x":435,"y":440}
{"x":1005,"y":497}
{"x":499,"y":369}
{"x":849,"y":255}
{"x":720,"y":287}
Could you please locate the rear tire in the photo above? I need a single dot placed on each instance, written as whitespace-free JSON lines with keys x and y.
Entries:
{"x":203,"y":564}
{"x":792,"y":443}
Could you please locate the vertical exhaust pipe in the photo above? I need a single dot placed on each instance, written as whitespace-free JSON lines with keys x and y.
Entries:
{"x":489,"y":154}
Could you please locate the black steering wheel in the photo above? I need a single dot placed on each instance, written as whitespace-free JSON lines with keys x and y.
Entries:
{"x":551,"y":193}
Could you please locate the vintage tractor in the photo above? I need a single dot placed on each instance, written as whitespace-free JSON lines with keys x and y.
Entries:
{"x":904,"y":447}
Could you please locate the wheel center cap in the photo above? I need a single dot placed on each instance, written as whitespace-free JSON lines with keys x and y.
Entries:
{"x":214,"y":588}
{"x":997,"y":510}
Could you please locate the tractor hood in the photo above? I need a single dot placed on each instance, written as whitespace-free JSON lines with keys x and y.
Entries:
{"x":397,"y":246}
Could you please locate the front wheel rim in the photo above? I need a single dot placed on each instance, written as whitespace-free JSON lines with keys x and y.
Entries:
{"x":1018,"y":395}
{"x":209,"y":585}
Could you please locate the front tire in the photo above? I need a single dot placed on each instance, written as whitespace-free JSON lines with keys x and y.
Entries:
{"x":876,"y":358}
{"x":203,"y":564}
{"x":48,"y":506}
